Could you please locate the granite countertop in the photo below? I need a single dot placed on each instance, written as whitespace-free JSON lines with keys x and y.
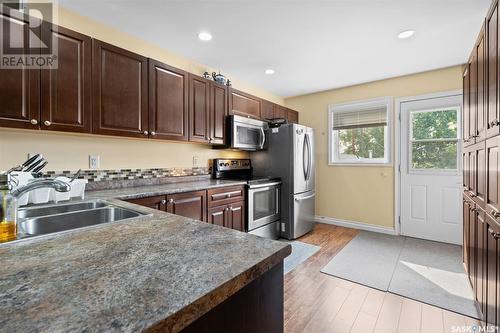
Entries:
{"x":160,"y":271}
{"x":153,"y":190}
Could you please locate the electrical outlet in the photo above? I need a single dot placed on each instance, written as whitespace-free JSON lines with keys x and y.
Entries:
{"x":196,"y":161}
{"x":94,"y":162}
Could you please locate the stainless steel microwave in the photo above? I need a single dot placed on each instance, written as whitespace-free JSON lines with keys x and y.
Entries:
{"x":246,"y":133}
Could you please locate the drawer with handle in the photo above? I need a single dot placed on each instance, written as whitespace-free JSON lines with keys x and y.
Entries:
{"x":225,"y":195}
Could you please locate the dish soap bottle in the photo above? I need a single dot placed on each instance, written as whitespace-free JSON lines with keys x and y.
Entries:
{"x":8,"y":211}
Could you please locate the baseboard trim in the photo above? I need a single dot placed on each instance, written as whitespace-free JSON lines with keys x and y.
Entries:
{"x":356,"y":225}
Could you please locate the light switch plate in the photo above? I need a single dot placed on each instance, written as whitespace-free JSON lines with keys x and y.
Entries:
{"x":94,"y":162}
{"x":196,"y":161}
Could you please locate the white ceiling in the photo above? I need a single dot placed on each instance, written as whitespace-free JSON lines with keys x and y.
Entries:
{"x":313,"y":45}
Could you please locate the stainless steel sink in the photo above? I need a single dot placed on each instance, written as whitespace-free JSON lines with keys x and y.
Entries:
{"x":28,"y":212}
{"x":36,"y":221}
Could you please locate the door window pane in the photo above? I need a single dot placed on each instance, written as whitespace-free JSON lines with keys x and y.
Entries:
{"x":434,"y":139}
{"x":434,"y":155}
{"x":438,"y":124}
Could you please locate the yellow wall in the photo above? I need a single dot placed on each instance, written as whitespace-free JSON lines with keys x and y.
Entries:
{"x":70,"y":151}
{"x":362,"y":193}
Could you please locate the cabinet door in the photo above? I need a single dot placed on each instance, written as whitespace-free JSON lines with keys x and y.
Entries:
{"x":156,"y":202}
{"x":218,"y":113}
{"x":236,"y":213}
{"x":280,"y":112}
{"x":466,"y":170}
{"x":19,"y":88}
{"x":218,"y":216}
{"x":466,"y":106}
{"x":480,"y":174}
{"x":472,"y":172}
{"x":267,"y":110}
{"x":480,"y":289}
{"x":199,"y":109}
{"x":243,"y":104}
{"x":492,"y":271}
{"x":472,"y":247}
{"x":473,"y":98}
{"x":189,"y":204}
{"x":480,"y":133}
{"x":120,"y":91}
{"x":492,"y":116}
{"x":293,"y":116}
{"x":66,"y":91}
{"x":492,"y":171}
{"x":467,"y":206}
{"x":168,"y":102}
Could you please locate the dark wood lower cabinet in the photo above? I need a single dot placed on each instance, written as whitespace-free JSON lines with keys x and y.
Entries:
{"x":492,"y":294}
{"x":157,"y":202}
{"x":258,"y":307}
{"x":188,"y":204}
{"x":230,"y":216}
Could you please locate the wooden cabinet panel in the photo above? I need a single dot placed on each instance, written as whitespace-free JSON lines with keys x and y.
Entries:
{"x":480,"y":174}
{"x":218,"y":216}
{"x":120,"y":91}
{"x":225,"y":195}
{"x":492,"y":112}
{"x":466,"y":106}
{"x":236,"y":213}
{"x":481,"y":230}
{"x":199,"y":109}
{"x":280,"y":112}
{"x":471,"y":136}
{"x":267,"y":110}
{"x":472,"y":246}
{"x":492,"y":313}
{"x":218,"y":113}
{"x":66,"y":91}
{"x":492,"y":172}
{"x":293,"y":116}
{"x":467,"y":206}
{"x":244,"y":104}
{"x":168,"y":102}
{"x":466,"y":170}
{"x":156,"y":202}
{"x":472,"y":171}
{"x":480,"y":133}
{"x":19,"y":88}
{"x":188,"y":204}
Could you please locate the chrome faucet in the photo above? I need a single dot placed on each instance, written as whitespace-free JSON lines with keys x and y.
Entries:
{"x":56,"y":184}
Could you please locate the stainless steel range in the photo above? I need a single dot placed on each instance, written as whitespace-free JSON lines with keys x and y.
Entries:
{"x":263,"y":210}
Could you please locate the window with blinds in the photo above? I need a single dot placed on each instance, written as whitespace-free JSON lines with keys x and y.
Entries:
{"x":359,"y":132}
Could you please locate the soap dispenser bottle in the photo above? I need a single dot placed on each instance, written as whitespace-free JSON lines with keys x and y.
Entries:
{"x":8,"y":211}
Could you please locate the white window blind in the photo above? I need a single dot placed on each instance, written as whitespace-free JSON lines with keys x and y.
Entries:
{"x":368,"y":117}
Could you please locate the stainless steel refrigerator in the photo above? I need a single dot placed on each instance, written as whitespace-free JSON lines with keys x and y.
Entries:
{"x":290,"y":156}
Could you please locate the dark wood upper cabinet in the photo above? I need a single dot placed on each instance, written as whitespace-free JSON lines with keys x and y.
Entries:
{"x":199,"y":109}
{"x":471,"y":136}
{"x":218,"y":113}
{"x":19,"y":88}
{"x":188,"y":204}
{"x":492,"y":163}
{"x":480,"y":134}
{"x":66,"y":91}
{"x":244,"y":104}
{"x":480,"y":174}
{"x":466,"y":106}
{"x":280,"y":112}
{"x":168,"y":102}
{"x":292,"y":116}
{"x":492,"y":112}
{"x":267,"y":110}
{"x":120,"y":91}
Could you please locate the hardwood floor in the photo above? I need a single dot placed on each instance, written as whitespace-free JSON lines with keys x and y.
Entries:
{"x":317,"y":302}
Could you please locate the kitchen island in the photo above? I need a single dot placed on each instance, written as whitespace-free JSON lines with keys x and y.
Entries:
{"x":158,"y":272}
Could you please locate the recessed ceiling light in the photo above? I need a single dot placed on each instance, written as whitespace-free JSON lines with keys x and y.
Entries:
{"x":406,"y":34}
{"x":269,"y":71}
{"x":204,"y":36}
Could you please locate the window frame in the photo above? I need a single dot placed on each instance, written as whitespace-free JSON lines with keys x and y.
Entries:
{"x":411,"y":140}
{"x":333,"y":140}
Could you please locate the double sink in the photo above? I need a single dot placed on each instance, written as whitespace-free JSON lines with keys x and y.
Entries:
{"x":49,"y":219}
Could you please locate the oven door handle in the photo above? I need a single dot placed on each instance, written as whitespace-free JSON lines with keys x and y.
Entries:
{"x":266,"y":185}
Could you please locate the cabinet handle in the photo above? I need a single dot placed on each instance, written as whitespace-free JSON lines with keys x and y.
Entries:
{"x":153,"y":133}
{"x":34,"y":121}
{"x":466,"y":140}
{"x":495,"y":235}
{"x":472,"y":195}
{"x":494,"y":123}
{"x":163,"y":201}
{"x":473,"y":210}
{"x":227,"y":209}
{"x":145,"y":132}
{"x":170,"y":200}
{"x":475,"y":136}
{"x":495,"y":214}
{"x":47,"y":123}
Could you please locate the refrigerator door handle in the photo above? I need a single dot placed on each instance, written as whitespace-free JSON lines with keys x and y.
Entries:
{"x":304,"y":167}
{"x":305,"y":198}
{"x":309,"y":156}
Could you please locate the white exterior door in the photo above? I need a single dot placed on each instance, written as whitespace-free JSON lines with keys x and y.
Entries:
{"x":431,"y":181}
